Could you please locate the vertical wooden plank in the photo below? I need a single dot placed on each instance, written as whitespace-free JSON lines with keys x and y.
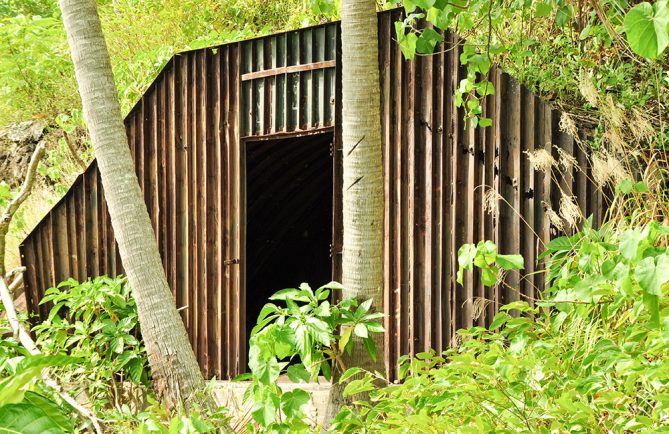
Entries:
{"x":479,"y":215}
{"x":563,"y":148}
{"x":423,"y":241}
{"x":439,"y":189}
{"x":220,"y":237}
{"x":388,"y":245}
{"x":580,"y":176}
{"x":42,"y":271}
{"x":60,"y":252}
{"x":169,"y":111}
{"x":226,"y":297}
{"x":280,"y":107}
{"x":543,"y":137}
{"x":180,"y":181}
{"x":269,"y":84}
{"x":490,"y":178}
{"x":192,"y":202}
{"x":153,"y":192}
{"x":50,"y":250}
{"x":80,"y":225}
{"x":212,"y":219}
{"x":528,"y":241}
{"x":27,"y":252}
{"x":407,"y":147}
{"x":463,"y":137}
{"x":451,"y":124}
{"x":163,"y":243}
{"x":73,"y":232}
{"x":237,"y":235}
{"x":510,"y":180}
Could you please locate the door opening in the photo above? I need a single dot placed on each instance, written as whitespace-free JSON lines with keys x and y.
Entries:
{"x":289,"y":211}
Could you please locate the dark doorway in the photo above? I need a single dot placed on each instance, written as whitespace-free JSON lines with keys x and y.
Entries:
{"x":288,"y":217}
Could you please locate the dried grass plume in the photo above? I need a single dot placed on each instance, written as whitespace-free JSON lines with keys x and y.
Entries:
{"x":588,"y":90}
{"x":570,"y":211}
{"x":553,"y":217}
{"x":541,"y":160}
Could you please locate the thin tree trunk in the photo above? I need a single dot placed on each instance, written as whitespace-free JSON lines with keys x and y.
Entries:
{"x":362,"y":261}
{"x":176,"y":374}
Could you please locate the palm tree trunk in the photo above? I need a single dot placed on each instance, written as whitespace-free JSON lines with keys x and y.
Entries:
{"x":176,"y":374}
{"x":363,"y":195}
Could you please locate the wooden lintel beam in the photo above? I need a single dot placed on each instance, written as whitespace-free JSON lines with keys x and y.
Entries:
{"x":289,"y":69}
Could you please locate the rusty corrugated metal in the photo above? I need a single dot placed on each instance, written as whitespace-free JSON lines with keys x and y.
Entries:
{"x":187,"y":135}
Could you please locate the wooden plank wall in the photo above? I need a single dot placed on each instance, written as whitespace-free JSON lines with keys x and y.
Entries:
{"x":186,"y":138}
{"x":437,"y":173}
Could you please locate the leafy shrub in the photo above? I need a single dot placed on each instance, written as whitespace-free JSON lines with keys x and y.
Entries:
{"x":35,"y":69}
{"x":22,"y":409}
{"x":595,"y":357}
{"x":301,"y":340}
{"x":96,"y":321}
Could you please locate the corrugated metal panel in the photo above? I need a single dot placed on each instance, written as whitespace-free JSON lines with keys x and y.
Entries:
{"x":288,"y":81}
{"x":186,"y":138}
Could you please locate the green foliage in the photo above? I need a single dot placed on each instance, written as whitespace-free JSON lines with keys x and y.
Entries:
{"x":36,"y":415}
{"x":301,"y":340}
{"x":647,"y":28}
{"x":97,"y":321}
{"x":27,"y":412}
{"x":550,"y":45}
{"x":592,"y":357}
{"x":35,"y":69}
{"x":484,"y":256}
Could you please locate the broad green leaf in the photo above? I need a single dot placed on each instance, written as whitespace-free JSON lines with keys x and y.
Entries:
{"x":629,"y":243}
{"x":283,"y":338}
{"x":510,"y":262}
{"x":489,"y":276}
{"x":297,"y":373}
{"x":364,"y":306}
{"x":544,"y":8}
{"x":652,"y":303}
{"x":267,"y":309}
{"x":293,"y":402}
{"x":266,"y":369}
{"x":499,"y":320}
{"x":13,"y":388}
{"x":466,"y":255}
{"x":290,"y":294}
{"x":319,"y":330}
{"x":485,"y":122}
{"x":428,"y":39}
{"x":358,"y":386}
{"x":50,"y":408}
{"x":424,"y":4}
{"x":345,"y":338}
{"x":361,"y":330}
{"x":370,"y":346}
{"x":407,"y":41}
{"x":39,"y":416}
{"x":349,"y":373}
{"x":625,"y":186}
{"x":646,"y":28}
{"x":264,"y":412}
{"x":652,"y":273}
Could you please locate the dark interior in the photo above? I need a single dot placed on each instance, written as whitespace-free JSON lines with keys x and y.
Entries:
{"x":289,"y":217}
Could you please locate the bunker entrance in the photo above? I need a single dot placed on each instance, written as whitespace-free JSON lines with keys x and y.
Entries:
{"x":289,"y":207}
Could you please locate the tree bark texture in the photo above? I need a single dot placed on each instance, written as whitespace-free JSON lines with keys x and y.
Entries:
{"x":176,"y":374}
{"x":363,"y":195}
